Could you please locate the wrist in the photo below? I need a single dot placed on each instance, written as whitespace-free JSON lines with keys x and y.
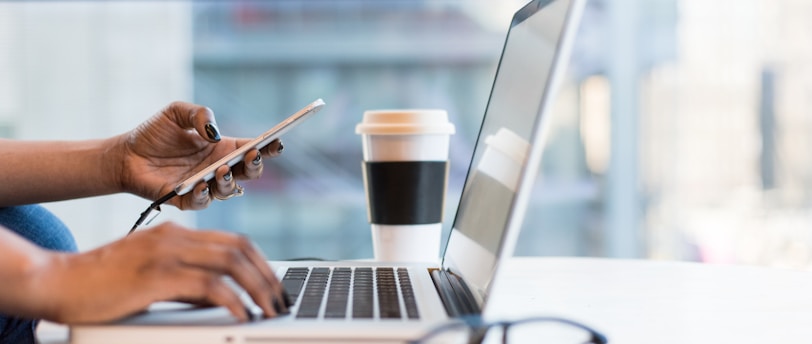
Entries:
{"x":40,"y":286}
{"x":62,"y":284}
{"x":113,"y":162}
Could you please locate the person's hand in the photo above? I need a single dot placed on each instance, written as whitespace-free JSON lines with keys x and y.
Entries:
{"x":164,"y":263}
{"x":177,"y":142}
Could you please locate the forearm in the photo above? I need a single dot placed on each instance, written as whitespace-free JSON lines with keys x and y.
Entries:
{"x":50,"y":285}
{"x":164,"y":263}
{"x":43,"y":171}
{"x":22,"y":269}
{"x":64,"y":287}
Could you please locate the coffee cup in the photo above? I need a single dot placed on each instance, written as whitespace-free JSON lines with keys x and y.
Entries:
{"x":405,"y":169}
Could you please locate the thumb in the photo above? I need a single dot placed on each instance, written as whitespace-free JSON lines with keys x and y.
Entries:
{"x":188,"y":115}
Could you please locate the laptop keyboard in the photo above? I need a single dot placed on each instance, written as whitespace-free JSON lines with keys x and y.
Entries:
{"x":358,"y":293}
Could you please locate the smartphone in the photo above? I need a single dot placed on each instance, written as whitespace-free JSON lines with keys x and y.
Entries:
{"x":261,"y":141}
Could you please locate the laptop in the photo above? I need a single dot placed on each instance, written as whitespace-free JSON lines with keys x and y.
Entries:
{"x":359,"y":301}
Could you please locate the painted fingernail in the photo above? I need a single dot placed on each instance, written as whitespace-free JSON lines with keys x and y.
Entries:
{"x":281,"y":148}
{"x":279,"y":308}
{"x":212,"y":132}
{"x":249,"y":316}
{"x":288,"y":301}
{"x":257,"y":160}
{"x":227,"y":177}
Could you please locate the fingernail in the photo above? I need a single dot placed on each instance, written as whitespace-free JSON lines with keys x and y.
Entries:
{"x":277,"y":306}
{"x":281,"y":148}
{"x":227,"y":177}
{"x":212,"y":132}
{"x":288,"y":301}
{"x":257,"y":160}
{"x":204,"y":192}
{"x":249,"y":316}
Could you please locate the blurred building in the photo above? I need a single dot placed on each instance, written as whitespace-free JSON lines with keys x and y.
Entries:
{"x":257,"y":62}
{"x":79,"y":70}
{"x":681,"y":132}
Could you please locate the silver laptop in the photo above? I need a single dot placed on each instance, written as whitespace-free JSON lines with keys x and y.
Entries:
{"x":352,"y":301}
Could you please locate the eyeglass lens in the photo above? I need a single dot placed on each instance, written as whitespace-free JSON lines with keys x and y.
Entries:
{"x":520,"y":332}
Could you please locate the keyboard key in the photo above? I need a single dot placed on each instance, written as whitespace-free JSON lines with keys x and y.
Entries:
{"x":362,"y":294}
{"x":407,"y":292}
{"x":338,"y":295}
{"x":388,"y":303}
{"x":336,"y":288}
{"x":313,"y":293}
{"x":293,"y":281}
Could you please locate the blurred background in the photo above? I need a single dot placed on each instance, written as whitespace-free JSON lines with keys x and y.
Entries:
{"x":682,"y":131}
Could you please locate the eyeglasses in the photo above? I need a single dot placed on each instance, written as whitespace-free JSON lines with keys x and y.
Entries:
{"x":526,"y":330}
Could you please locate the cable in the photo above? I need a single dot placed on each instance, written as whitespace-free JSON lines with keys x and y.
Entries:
{"x":155,"y":206}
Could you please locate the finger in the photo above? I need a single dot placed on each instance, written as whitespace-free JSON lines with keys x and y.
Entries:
{"x":280,"y":296}
{"x":260,"y":262}
{"x":202,"y":287}
{"x":233,"y":262}
{"x":274,"y":148}
{"x":276,"y":295}
{"x":201,"y":118}
{"x":252,"y":166}
{"x":246,"y":246}
{"x":199,"y":198}
{"x":255,"y":258}
{"x":224,"y":181}
{"x":226,"y":254}
{"x":270,"y":150}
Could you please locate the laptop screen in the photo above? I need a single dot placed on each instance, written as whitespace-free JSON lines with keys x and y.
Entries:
{"x":491,"y":206}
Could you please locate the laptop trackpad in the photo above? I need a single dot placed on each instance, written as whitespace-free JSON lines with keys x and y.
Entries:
{"x":176,"y":313}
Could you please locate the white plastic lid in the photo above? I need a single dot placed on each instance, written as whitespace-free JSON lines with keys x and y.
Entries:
{"x":510,"y":144}
{"x":405,"y":122}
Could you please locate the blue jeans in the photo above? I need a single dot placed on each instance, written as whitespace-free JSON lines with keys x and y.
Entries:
{"x":41,"y":227}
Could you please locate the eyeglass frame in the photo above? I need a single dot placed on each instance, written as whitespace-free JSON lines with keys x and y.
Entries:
{"x":477,"y":325}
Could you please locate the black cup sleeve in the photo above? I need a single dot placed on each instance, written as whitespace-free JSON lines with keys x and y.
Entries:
{"x":405,"y":192}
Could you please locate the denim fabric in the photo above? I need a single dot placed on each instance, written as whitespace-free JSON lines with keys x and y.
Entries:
{"x":41,"y":227}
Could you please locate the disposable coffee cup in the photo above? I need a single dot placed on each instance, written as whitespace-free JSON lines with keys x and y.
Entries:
{"x":405,"y":171}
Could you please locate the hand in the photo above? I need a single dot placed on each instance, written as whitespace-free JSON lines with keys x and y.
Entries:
{"x":165,"y":263}
{"x":175,"y":143}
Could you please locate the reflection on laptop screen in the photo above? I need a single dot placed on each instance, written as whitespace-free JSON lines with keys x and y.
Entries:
{"x":510,"y":124}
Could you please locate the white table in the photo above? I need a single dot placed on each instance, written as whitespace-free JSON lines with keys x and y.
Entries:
{"x":663,"y":302}
{"x":635,"y":301}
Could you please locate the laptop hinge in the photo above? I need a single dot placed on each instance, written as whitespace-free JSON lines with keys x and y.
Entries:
{"x":457,"y":298}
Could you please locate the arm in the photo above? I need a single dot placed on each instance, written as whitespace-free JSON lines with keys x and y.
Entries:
{"x":147,"y":161}
{"x":165,"y":263}
{"x":21,"y":264}
{"x":44,"y":171}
